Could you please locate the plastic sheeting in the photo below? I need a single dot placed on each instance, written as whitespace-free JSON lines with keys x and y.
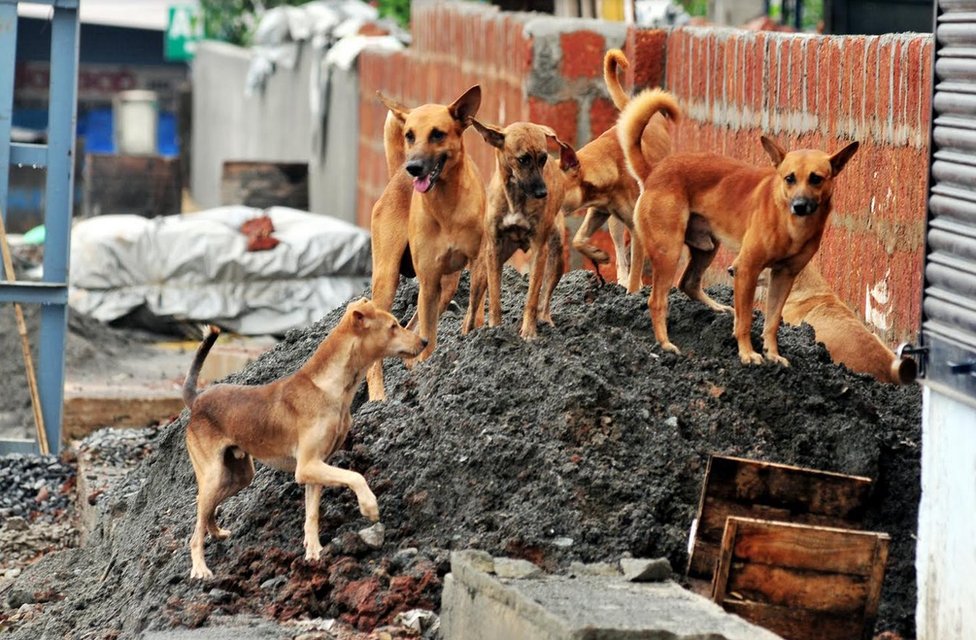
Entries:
{"x":196,"y":267}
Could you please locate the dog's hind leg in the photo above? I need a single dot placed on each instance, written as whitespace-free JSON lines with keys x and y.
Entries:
{"x":691,"y":279}
{"x":617,"y":230}
{"x":661,"y":232}
{"x":313,"y":497}
{"x":237,"y":473}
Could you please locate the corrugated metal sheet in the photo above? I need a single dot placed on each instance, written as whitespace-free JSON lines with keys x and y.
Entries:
{"x":949,"y":297}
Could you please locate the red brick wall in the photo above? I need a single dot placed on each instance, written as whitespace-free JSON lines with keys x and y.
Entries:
{"x":809,"y":91}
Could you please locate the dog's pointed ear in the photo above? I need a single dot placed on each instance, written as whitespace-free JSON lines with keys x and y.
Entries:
{"x":839,"y":159}
{"x":465,"y":108}
{"x":567,"y":156}
{"x":492,"y":134}
{"x":776,"y":153}
{"x":359,"y":319}
{"x":399,"y":111}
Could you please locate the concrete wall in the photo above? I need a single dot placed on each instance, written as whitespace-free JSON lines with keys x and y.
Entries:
{"x":946,"y":558}
{"x":806,"y":90}
{"x":275,"y":125}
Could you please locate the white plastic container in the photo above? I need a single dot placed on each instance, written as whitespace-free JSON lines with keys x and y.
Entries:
{"x":136,"y":119}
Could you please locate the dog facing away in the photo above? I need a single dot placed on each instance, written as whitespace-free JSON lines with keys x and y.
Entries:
{"x":847,"y":339}
{"x":293,"y":424}
{"x":430,"y":218}
{"x":774,"y":216}
{"x":605,"y":185}
{"x":524,"y":199}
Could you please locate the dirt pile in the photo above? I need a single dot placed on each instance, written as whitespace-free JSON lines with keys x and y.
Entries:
{"x":582,"y":445}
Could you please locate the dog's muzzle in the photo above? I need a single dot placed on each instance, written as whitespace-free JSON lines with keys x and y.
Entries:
{"x":803,"y":206}
{"x":425,"y":172}
{"x":537,"y":190}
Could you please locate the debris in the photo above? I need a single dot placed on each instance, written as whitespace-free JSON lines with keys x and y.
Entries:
{"x":605,"y":569}
{"x":645,"y":569}
{"x":515,"y":568}
{"x":373,"y":536}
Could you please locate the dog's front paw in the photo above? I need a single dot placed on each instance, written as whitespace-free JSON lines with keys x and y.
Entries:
{"x":528,"y":332}
{"x":369,"y":508}
{"x":201,"y":573}
{"x":778,"y":359}
{"x":751,"y":358}
{"x":670,"y":347}
{"x":313,"y":550}
{"x":220,"y":533}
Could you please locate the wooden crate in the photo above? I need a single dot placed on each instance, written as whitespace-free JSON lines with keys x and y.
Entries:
{"x":802,"y":582}
{"x":769,"y":491}
{"x":147,"y":186}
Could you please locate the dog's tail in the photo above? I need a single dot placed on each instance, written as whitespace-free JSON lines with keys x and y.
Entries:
{"x":613,"y":62}
{"x":190,"y":384}
{"x":393,"y":144}
{"x":633,"y":119}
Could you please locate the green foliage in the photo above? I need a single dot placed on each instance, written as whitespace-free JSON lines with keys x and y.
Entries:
{"x":398,"y":10}
{"x":697,"y":8}
{"x":234,"y":20}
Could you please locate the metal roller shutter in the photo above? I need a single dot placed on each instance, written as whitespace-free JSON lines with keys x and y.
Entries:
{"x":949,"y":296}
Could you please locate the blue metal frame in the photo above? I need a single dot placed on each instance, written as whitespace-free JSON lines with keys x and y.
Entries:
{"x":58,"y":158}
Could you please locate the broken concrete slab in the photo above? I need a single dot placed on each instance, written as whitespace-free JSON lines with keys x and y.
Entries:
{"x":515,"y":568}
{"x":605,"y":569}
{"x":479,"y":606}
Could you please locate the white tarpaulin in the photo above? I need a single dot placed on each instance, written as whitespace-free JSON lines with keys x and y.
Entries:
{"x":196,"y":267}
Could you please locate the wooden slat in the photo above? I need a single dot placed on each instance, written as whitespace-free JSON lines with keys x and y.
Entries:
{"x":782,"y":586}
{"x":797,"y":624}
{"x":802,"y":582}
{"x":822,"y":549}
{"x":770,"y":491}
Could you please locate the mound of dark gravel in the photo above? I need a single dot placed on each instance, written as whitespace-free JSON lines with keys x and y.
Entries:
{"x":589,"y":433}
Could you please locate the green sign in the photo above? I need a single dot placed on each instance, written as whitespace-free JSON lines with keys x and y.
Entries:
{"x":183,"y":30}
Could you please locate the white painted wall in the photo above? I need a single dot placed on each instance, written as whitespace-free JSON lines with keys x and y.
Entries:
{"x":946,"y":555}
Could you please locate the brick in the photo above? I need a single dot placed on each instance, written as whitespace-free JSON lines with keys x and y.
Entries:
{"x":561,"y":116}
{"x":646,"y":51}
{"x":603,"y":115}
{"x":582,"y":54}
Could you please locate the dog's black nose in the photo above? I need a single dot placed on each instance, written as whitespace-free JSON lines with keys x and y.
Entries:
{"x":424,"y":342}
{"x":540,"y":192}
{"x":803,"y":206}
{"x":415,"y":168}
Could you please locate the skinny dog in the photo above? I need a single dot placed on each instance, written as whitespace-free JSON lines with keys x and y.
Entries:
{"x":524,"y":199}
{"x":604,"y":183}
{"x":774,"y":215}
{"x":293,"y":424}
{"x":847,"y":339}
{"x":430,"y":218}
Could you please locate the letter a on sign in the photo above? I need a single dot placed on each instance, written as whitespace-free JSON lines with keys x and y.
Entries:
{"x":183,"y":31}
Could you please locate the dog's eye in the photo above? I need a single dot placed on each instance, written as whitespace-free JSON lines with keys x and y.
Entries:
{"x":437,"y":135}
{"x":815,"y":179}
{"x":524,"y":160}
{"x":791,"y":179}
{"x":410,"y":137}
{"x":542,"y":159}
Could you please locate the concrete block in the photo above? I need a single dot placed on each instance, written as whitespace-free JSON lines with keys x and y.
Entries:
{"x":515,"y":568}
{"x":478,"y":606}
{"x":645,"y":569}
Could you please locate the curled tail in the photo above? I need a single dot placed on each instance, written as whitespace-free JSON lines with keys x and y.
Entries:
{"x":614,"y":61}
{"x":393,"y":144}
{"x":190,"y":384}
{"x":632,"y":121}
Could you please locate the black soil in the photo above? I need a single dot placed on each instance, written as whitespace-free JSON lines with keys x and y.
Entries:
{"x":589,"y":433}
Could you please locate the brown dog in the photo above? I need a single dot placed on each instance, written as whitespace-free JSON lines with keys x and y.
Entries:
{"x":774,"y":215}
{"x":524,"y":199}
{"x":840,"y":330}
{"x":294,"y":423}
{"x":603,"y":183}
{"x":430,"y":218}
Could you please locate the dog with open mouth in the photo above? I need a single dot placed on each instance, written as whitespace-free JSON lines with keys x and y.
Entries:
{"x":429,"y":221}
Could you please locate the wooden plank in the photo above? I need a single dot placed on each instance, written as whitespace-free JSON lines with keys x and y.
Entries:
{"x":797,"y":624}
{"x":822,"y":549}
{"x":787,"y":487}
{"x":800,"y":581}
{"x":786,"y":587}
{"x":770,"y":491}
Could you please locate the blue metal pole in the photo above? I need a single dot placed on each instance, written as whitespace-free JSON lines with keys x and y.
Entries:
{"x":62,"y":113}
{"x":8,"y":60}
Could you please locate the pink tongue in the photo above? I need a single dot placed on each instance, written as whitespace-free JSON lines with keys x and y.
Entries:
{"x":422,"y":184}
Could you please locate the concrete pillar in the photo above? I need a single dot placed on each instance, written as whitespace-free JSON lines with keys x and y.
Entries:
{"x":945,"y":559}
{"x":734,"y":12}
